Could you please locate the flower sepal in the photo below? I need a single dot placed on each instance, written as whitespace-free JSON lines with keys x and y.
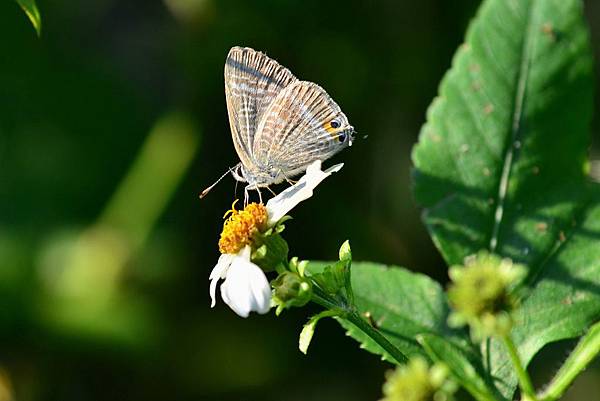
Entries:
{"x":270,"y":250}
{"x":335,"y":279}
{"x":298,"y":266}
{"x":279,"y":226}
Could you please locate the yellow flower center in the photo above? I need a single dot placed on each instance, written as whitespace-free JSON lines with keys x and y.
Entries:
{"x":240,"y":226}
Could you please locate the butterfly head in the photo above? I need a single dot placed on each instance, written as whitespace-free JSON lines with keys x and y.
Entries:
{"x":238,"y":173}
{"x":254,"y":177}
{"x":340,"y":130}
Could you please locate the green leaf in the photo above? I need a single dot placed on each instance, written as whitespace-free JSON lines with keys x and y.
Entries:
{"x":400,"y":304}
{"x":500,"y":161}
{"x":33,"y":14}
{"x":464,"y":365}
{"x":565,"y":297}
{"x":404,"y":306}
{"x":308,"y":330}
{"x":501,"y":165}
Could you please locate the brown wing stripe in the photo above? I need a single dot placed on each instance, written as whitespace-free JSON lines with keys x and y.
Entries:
{"x":244,"y":68}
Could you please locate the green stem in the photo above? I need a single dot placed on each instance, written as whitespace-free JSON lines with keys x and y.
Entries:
{"x":587,"y":349}
{"x":524,"y":381}
{"x":376,"y":336}
{"x":321,"y":298}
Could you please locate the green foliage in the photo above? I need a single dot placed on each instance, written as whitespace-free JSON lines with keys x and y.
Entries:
{"x":33,"y":14}
{"x":398,"y":303}
{"x":308,"y":330}
{"x":508,"y":133}
{"x":587,"y":349}
{"x":500,"y":167}
{"x":501,"y":161}
{"x":411,"y":311}
{"x":334,"y":279}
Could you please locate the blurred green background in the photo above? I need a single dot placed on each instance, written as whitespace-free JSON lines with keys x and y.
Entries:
{"x":111,"y":124}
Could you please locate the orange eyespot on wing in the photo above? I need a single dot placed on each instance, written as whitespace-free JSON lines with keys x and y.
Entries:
{"x":332,"y":127}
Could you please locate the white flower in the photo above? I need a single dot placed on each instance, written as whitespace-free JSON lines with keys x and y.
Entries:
{"x":281,"y":204}
{"x":245,"y":287}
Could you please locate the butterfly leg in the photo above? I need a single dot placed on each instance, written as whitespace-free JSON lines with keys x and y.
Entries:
{"x":246,"y":195}
{"x":288,"y":180}
{"x":235,"y":189}
{"x":247,"y":189}
{"x":271,"y":191}
{"x":259,"y":194}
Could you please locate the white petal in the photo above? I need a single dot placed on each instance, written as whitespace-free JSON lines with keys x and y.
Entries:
{"x":245,"y":253}
{"x":234,"y":292}
{"x":219,"y":272}
{"x":280,"y":205}
{"x":261,"y":290}
{"x":246,"y":288}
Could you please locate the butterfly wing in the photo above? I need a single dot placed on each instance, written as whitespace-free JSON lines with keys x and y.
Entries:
{"x":252,"y":81}
{"x":297,"y":129}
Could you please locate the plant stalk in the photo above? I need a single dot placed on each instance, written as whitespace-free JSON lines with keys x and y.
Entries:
{"x":527,"y":391}
{"x":324,"y":301}
{"x":319,"y":297}
{"x":587,"y":349}
{"x":376,"y":336}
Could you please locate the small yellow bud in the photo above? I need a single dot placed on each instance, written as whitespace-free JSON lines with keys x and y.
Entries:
{"x":417,"y":381}
{"x":480,"y":294}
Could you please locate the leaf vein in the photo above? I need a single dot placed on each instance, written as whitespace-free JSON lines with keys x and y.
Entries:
{"x":515,"y":128}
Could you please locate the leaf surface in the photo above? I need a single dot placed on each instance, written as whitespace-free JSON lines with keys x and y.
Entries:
{"x":399,"y":303}
{"x":406,"y":308}
{"x":501,"y":165}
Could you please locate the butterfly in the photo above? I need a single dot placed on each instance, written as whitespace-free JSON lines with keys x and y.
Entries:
{"x":279,"y":124}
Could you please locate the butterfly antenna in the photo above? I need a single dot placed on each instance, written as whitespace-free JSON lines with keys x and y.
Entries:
{"x":207,"y":190}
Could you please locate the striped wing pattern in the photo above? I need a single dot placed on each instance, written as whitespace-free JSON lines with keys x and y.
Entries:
{"x":295,"y":130}
{"x":279,"y":124}
{"x":252,"y":81}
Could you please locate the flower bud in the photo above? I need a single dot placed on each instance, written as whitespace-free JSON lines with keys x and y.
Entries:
{"x":289,"y":289}
{"x":480,"y":294}
{"x":345,"y":251}
{"x":417,"y":381}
